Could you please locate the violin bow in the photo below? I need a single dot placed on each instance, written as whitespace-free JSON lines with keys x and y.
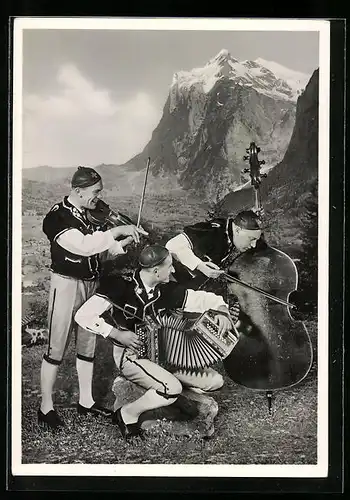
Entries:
{"x":143,"y":192}
{"x":232,"y":279}
{"x":258,"y":290}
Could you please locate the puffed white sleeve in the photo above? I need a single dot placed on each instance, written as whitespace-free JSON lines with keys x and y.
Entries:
{"x":89,"y":314}
{"x":200,"y":301}
{"x":78,"y":243}
{"x":181,"y":249}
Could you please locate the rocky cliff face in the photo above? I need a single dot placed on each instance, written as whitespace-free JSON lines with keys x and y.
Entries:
{"x":211,"y":114}
{"x":292,"y":183}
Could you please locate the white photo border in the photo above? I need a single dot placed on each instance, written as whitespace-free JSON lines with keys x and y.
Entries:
{"x":318,"y":470}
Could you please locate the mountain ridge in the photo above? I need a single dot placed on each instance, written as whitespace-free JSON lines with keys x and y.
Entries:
{"x":288,"y":183}
{"x":198,"y":142}
{"x":265,"y":76}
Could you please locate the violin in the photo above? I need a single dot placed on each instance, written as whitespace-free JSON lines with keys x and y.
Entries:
{"x":103,"y":216}
{"x":274,"y":351}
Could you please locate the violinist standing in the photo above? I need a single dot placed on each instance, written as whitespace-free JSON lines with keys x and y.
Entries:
{"x":202,"y":249}
{"x":77,"y":249}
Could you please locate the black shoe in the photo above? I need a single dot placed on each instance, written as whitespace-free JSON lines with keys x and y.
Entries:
{"x":128,"y":430}
{"x":51,"y":420}
{"x":94,"y":410}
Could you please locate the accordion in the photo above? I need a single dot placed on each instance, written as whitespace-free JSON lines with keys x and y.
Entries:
{"x":181,"y":342}
{"x":148,"y":334}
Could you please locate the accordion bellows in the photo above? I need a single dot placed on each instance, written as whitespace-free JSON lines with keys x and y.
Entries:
{"x":185,"y":343}
{"x":186,"y":348}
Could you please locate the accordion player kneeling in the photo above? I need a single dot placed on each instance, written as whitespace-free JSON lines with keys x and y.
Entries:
{"x":126,"y":308}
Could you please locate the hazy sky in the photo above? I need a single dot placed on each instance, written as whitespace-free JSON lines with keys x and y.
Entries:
{"x":93,"y":96}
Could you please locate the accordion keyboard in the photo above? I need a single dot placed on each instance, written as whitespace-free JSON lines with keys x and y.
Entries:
{"x":210,"y":331}
{"x":148,"y":336}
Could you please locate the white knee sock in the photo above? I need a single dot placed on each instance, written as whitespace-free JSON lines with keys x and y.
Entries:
{"x":48,"y":378}
{"x":148,"y":401}
{"x":85,"y":372}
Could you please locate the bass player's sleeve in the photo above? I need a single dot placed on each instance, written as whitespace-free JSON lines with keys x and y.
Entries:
{"x":180,"y":247}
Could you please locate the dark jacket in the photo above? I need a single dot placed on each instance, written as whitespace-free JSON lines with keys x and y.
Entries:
{"x":131,"y":301}
{"x":62,"y":217}
{"x":211,"y":239}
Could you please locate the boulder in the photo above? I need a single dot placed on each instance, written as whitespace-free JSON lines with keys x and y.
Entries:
{"x":193,"y":413}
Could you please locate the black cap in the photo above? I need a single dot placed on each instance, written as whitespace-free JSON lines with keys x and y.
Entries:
{"x":85,"y":177}
{"x":153,"y":255}
{"x":247,"y":219}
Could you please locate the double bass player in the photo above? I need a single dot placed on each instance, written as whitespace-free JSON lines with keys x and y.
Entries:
{"x":202,"y":249}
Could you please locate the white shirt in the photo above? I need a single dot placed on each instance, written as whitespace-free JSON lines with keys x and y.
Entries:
{"x":78,"y":243}
{"x":181,"y":249}
{"x":89,"y":314}
{"x":149,"y":290}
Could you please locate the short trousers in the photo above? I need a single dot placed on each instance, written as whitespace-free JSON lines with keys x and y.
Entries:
{"x":149,"y":375}
{"x":65,"y":297}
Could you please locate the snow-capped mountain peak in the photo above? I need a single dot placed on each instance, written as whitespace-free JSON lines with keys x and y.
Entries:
{"x":221,"y":58}
{"x":295,"y":79}
{"x":266,"y":77}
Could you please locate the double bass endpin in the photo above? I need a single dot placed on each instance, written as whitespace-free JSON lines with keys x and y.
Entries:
{"x":269,"y":396}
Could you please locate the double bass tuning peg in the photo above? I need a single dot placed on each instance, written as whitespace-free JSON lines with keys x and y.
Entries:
{"x":245,"y":158}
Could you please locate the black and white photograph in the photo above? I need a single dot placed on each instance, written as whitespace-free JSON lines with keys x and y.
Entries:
{"x":170,"y":214}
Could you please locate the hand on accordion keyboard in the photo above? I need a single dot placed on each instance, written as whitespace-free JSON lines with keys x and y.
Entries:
{"x":126,"y":337}
{"x":224,"y":323}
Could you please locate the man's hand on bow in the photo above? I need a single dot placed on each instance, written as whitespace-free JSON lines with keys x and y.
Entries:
{"x":209,"y":269}
{"x":128,"y":230}
{"x":126,"y":241}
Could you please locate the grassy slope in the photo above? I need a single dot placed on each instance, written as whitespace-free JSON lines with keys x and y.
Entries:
{"x":245,"y":432}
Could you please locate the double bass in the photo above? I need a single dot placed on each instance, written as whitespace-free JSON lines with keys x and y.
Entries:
{"x":274,"y":350}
